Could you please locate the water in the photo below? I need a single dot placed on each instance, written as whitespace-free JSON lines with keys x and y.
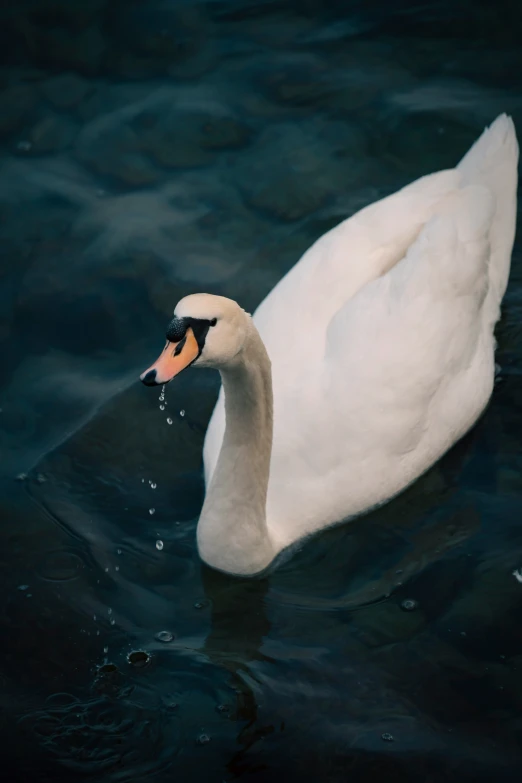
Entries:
{"x":150,"y":150}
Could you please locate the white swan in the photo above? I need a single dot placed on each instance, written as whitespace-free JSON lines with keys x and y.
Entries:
{"x":381,"y":357}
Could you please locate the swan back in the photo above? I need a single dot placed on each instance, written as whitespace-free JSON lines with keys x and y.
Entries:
{"x":492,"y":162}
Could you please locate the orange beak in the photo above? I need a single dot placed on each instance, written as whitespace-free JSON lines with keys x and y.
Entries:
{"x":172,"y":360}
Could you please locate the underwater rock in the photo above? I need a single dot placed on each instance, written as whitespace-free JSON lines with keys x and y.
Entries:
{"x":294,"y":168}
{"x":16,"y":105}
{"x":186,"y":133}
{"x":173,"y":129}
{"x":111,"y":148}
{"x":67,"y":90}
{"x":299,"y":79}
{"x":51,"y":134}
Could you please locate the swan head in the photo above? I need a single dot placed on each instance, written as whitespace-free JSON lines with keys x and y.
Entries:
{"x":206,"y":331}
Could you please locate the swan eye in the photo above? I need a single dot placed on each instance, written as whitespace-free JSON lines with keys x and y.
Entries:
{"x":176,"y":330}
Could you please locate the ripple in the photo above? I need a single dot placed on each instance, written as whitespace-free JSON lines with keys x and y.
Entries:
{"x":123,"y":732}
{"x":139,"y":658}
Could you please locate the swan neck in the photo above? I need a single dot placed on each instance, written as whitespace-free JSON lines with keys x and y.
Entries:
{"x":232,"y":531}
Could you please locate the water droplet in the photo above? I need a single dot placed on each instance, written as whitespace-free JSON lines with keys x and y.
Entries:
{"x":223,"y":708}
{"x":29,"y":595}
{"x":182,"y":413}
{"x":113,"y":621}
{"x":164,"y":636}
{"x":200,"y":604}
{"x":106,"y":649}
{"x":94,"y":617}
{"x":387,"y":737}
{"x":41,"y":479}
{"x":117,"y":568}
{"x":169,"y":420}
{"x":118,"y":551}
{"x":138,"y":658}
{"x":518,"y":575}
{"x":24,"y":145}
{"x":21,"y":477}
{"x":153,"y":485}
{"x":23,"y":587}
{"x":143,"y":481}
{"x":162,"y":407}
{"x":152,"y":511}
{"x":409,"y":604}
{"x":159,"y":544}
{"x":203,"y":739}
{"x":109,"y":610}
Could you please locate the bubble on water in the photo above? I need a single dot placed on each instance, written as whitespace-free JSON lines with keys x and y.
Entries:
{"x":21,"y":477}
{"x":152,"y":511}
{"x":143,"y":481}
{"x":409,"y":604}
{"x":153,"y":485}
{"x":41,"y":479}
{"x":223,"y":708}
{"x":94,"y":617}
{"x":169,"y":421}
{"x":117,"y":568}
{"x":106,"y":570}
{"x":162,"y":407}
{"x":23,"y":587}
{"x":113,"y":621}
{"x":387,"y":737}
{"x":203,"y":739}
{"x":159,"y":544}
{"x":106,"y":649}
{"x":182,"y":413}
{"x":164,"y":636}
{"x":109,"y":610}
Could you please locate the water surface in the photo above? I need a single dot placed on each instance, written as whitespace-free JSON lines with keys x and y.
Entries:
{"x":153,"y":149}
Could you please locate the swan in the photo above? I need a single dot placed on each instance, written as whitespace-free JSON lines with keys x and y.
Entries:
{"x":360,"y":369}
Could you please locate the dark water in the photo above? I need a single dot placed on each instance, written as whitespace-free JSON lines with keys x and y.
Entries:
{"x":152,"y":149}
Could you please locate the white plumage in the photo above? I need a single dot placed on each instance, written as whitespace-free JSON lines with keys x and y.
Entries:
{"x":381,"y":343}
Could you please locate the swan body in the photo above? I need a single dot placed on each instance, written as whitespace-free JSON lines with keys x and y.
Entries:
{"x":381,"y":356}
